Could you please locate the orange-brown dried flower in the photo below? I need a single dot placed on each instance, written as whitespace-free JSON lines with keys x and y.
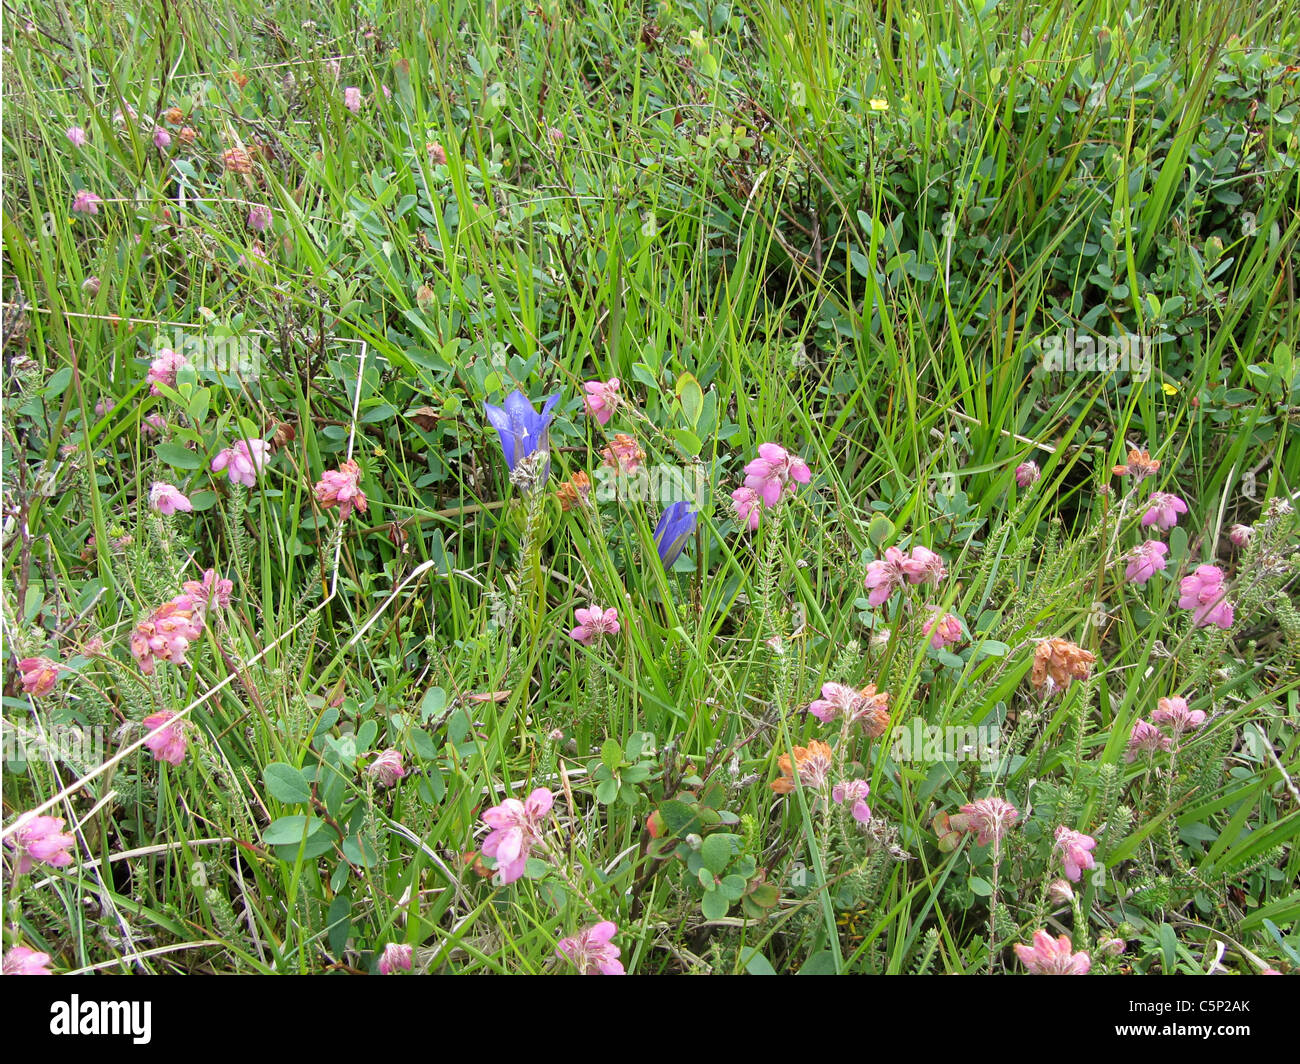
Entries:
{"x":1140,"y":466}
{"x":624,"y":454}
{"x":574,"y":491}
{"x":187,"y":135}
{"x":174,"y":115}
{"x":1058,"y":662}
{"x":812,"y":764}
{"x":236,"y":161}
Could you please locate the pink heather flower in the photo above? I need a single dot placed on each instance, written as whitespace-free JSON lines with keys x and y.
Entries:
{"x":1145,"y":561}
{"x":77,"y":136}
{"x":885,"y":576}
{"x":1048,"y":957}
{"x":153,"y":424}
{"x":387,"y":768}
{"x":516,"y":828}
{"x":259,"y":218}
{"x":748,"y":506}
{"x":592,"y":951}
{"x":167,"y":633}
{"x":867,"y":706}
{"x":1240,"y":535}
{"x":163,"y":369}
{"x":104,"y":406}
{"x":85,"y":202}
{"x":1073,"y":846}
{"x":623,"y":453}
{"x":167,"y":500}
{"x":602,"y":399}
{"x":775,"y":471}
{"x":91,"y":285}
{"x":436,"y":152}
{"x":1203,"y":592}
{"x":210,"y":592}
{"x":594,"y":622}
{"x":1027,"y":473}
{"x":1174,"y":712}
{"x":854,"y":791}
{"x":396,"y":955}
{"x":38,"y":839}
{"x":989,"y":818}
{"x":245,"y":460}
{"x":352,"y":99}
{"x":1163,"y":510}
{"x":943,"y":629}
{"x":168,"y":744}
{"x":161,"y":139}
{"x":340,"y":488}
{"x":38,"y":675}
{"x":924,"y":566}
{"x":23,"y":961}
{"x":1146,"y":739}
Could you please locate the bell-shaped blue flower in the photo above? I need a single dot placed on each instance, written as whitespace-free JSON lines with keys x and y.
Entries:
{"x":522,"y":429}
{"x":673,"y":530}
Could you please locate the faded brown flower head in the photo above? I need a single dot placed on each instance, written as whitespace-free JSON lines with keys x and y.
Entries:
{"x":812,"y":764}
{"x":174,"y":115}
{"x":574,"y":491}
{"x":624,"y":454}
{"x":187,"y":135}
{"x":873,"y":712}
{"x":436,"y":152}
{"x":236,"y":161}
{"x":1140,"y":466}
{"x":1058,"y":662}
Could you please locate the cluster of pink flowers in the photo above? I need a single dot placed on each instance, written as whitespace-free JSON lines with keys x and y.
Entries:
{"x":1075,"y":849}
{"x":1145,"y":560}
{"x":594,"y":623}
{"x":244,"y":459}
{"x":41,"y":840}
{"x":840,"y":701}
{"x":387,"y":767}
{"x":166,"y":364}
{"x":259,"y":218}
{"x":39,"y":675}
{"x":773,"y":474}
{"x":1053,"y":957}
{"x":341,"y":488}
{"x":352,"y":99}
{"x":167,"y":633}
{"x":77,"y":136}
{"x":167,"y":499}
{"x":943,"y":629}
{"x":592,"y":950}
{"x":516,"y":827}
{"x":989,"y":819}
{"x":167,"y":741}
{"x":1205,"y":594}
{"x":1173,"y":713}
{"x":1163,"y":510}
{"x":1027,"y":473}
{"x":397,"y":956}
{"x":602,"y":399}
{"x":854,"y":793}
{"x":23,"y":961}
{"x":886,"y":575}
{"x":85,"y":202}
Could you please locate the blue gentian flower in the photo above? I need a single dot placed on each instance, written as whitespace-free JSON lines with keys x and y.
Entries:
{"x":522,"y":429}
{"x":673,"y":530}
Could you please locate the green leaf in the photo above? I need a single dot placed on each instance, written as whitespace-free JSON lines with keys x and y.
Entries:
{"x":757,"y":964}
{"x":58,"y":383}
{"x":822,"y":963}
{"x":433,"y":703}
{"x":687,"y":441}
{"x":607,"y":791}
{"x":290,"y":830}
{"x":716,"y":853}
{"x":680,"y":818}
{"x":691,"y":396}
{"x":360,"y":850}
{"x":178,"y":457}
{"x":881,"y":530}
{"x":980,"y":887}
{"x":338,"y":923}
{"x":286,"y":783}
{"x":611,"y":753}
{"x":714,"y":906}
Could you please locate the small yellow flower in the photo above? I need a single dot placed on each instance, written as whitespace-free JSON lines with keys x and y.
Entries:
{"x":1169,"y":389}
{"x":877,"y":104}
